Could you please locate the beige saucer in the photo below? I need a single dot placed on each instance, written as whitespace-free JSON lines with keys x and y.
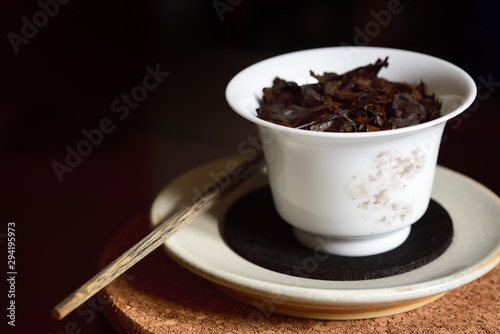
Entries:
{"x":200,"y":248}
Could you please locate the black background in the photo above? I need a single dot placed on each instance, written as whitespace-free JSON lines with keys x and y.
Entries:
{"x":64,"y":79}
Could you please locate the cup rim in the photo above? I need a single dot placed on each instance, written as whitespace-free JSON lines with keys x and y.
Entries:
{"x":468,"y":98}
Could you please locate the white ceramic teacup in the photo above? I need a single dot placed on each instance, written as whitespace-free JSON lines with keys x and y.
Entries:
{"x":352,"y":194}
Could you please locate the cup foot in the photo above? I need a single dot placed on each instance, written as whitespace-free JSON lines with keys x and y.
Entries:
{"x":363,"y":246}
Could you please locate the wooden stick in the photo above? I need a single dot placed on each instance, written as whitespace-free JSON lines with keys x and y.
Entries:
{"x":154,"y":239}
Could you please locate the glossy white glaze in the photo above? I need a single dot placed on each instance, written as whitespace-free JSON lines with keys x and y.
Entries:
{"x":352,"y":185}
{"x":201,"y":248}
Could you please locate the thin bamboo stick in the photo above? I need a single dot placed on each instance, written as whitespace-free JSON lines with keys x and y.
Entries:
{"x":180,"y":219}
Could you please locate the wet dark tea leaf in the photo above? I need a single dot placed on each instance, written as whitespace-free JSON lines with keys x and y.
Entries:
{"x":356,"y":101}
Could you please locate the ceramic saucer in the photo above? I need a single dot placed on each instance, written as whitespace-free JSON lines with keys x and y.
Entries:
{"x":200,"y":248}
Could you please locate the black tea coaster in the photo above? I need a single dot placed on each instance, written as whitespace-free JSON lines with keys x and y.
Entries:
{"x":255,"y":231}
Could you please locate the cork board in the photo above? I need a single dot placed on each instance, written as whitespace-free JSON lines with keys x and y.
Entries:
{"x":159,"y":296}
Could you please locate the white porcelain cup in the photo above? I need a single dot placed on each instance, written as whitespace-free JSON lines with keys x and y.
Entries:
{"x":352,"y":194}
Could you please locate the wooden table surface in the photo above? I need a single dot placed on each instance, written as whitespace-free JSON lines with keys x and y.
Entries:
{"x":138,"y":89}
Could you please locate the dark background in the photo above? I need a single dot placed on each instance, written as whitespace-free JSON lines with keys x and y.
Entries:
{"x":64,"y":79}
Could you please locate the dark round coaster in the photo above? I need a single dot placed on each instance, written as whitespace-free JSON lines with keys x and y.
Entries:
{"x":255,"y":231}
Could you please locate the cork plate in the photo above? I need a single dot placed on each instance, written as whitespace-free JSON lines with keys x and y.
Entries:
{"x":200,"y":248}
